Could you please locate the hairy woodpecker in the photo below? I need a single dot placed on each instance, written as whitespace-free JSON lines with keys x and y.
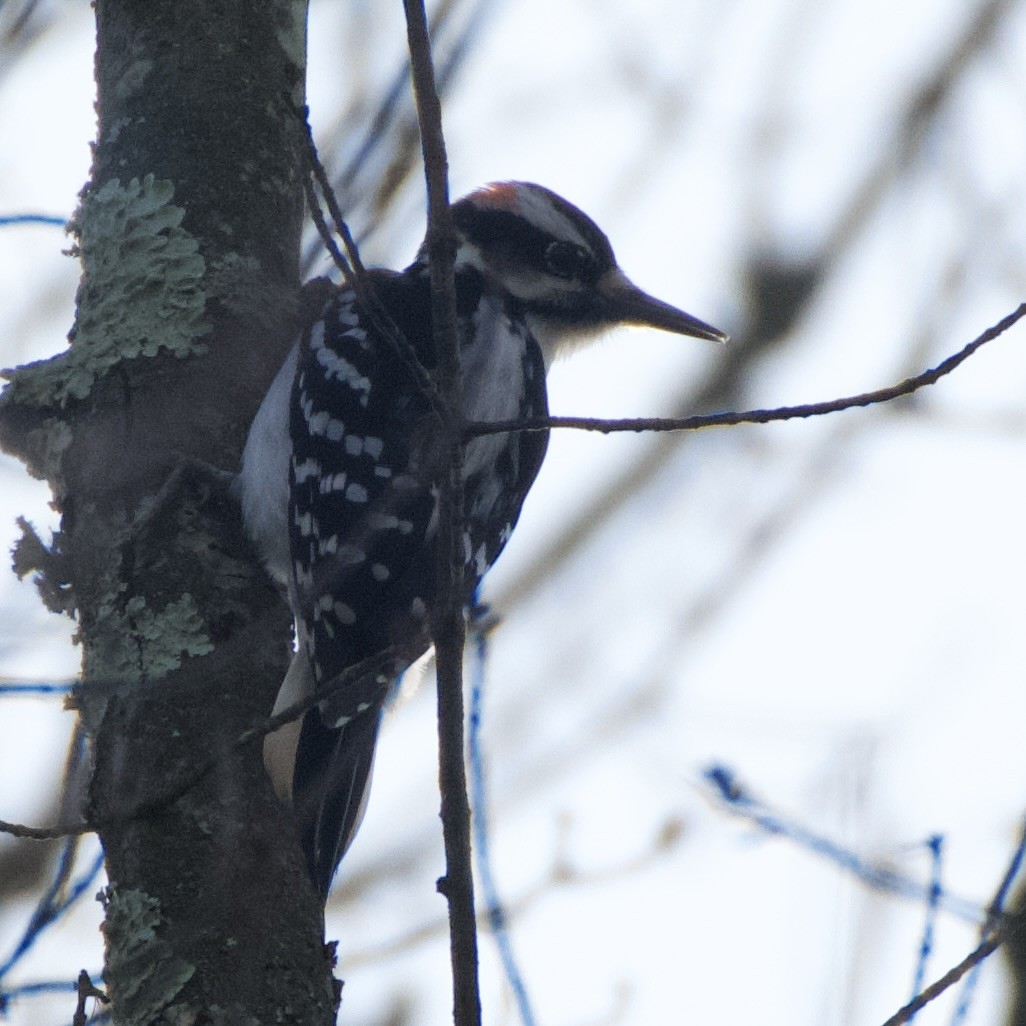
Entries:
{"x":341,"y":470}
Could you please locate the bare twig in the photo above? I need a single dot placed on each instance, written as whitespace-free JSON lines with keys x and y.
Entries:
{"x":185,"y":782}
{"x":317,"y":216}
{"x":350,"y":265}
{"x":907,"y":387}
{"x":475,"y":429}
{"x":998,"y":929}
{"x":949,"y":979}
{"x":996,"y":908}
{"x":355,"y":274}
{"x":44,"y":833}
{"x":86,"y":989}
{"x":448,"y":625}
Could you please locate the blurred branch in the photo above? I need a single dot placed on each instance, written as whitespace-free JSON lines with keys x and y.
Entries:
{"x":934,"y":892}
{"x":392,"y":127}
{"x":22,"y":22}
{"x":560,"y":874}
{"x":494,"y":907}
{"x":58,"y":898}
{"x":37,"y":988}
{"x":740,"y":801}
{"x":47,"y":219}
{"x":995,"y":929}
{"x":923,"y":106}
{"x":996,"y":908}
{"x":11,"y":686}
{"x":996,"y":916}
{"x":722,"y":385}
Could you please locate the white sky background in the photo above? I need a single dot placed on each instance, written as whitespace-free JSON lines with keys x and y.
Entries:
{"x":833,"y":608}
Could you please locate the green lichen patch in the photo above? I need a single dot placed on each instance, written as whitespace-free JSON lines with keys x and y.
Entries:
{"x":143,"y":973}
{"x":142,"y":291}
{"x":131,"y":643}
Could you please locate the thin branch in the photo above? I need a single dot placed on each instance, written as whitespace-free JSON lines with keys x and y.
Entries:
{"x":741,"y":802}
{"x":935,"y":846}
{"x":44,"y":833}
{"x":448,"y":626}
{"x":350,"y":265}
{"x":475,"y":429}
{"x":272,"y":723}
{"x":55,"y":902}
{"x":494,"y":907}
{"x":317,"y":216}
{"x":180,"y":786}
{"x":996,"y":908}
{"x":995,"y":932}
{"x":48,"y":219}
{"x":949,"y":979}
{"x":39,"y":987}
{"x":995,"y":916}
{"x":910,"y":131}
{"x":11,"y":686}
{"x":86,"y":989}
{"x":356,"y":275}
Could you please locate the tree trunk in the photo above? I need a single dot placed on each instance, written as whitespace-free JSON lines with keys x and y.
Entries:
{"x":188,"y":233}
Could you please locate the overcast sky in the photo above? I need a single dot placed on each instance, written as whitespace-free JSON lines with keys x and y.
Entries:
{"x":833,"y":608}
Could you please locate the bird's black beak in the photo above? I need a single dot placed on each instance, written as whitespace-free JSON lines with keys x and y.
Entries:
{"x":627,"y":304}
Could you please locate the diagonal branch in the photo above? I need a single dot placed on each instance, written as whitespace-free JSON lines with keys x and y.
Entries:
{"x":999,"y":928}
{"x":355,"y":273}
{"x":949,"y":979}
{"x":183,"y":783}
{"x":475,"y":429}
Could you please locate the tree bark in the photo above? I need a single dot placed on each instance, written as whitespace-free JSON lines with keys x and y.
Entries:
{"x":188,"y":232}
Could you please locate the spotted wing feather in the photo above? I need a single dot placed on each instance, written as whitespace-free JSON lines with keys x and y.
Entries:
{"x":363,"y":507}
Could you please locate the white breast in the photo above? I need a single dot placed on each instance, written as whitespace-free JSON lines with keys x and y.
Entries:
{"x":492,"y":380}
{"x":263,"y":482}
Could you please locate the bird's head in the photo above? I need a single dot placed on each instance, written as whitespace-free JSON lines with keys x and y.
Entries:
{"x":555,"y":262}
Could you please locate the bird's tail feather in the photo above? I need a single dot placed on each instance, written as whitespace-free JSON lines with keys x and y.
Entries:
{"x":332,"y":779}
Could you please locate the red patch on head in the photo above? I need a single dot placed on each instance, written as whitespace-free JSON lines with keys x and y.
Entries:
{"x":498,"y":196}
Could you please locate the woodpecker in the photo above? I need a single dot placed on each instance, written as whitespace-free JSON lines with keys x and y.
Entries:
{"x":342,"y":467}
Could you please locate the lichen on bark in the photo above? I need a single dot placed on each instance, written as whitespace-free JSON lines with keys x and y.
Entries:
{"x":188,"y":235}
{"x":142,"y":291}
{"x":133,"y":643}
{"x":148,"y":974}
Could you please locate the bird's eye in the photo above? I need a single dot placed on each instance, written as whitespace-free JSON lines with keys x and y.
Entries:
{"x":565,"y":260}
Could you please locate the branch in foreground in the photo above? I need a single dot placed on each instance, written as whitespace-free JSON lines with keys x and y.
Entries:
{"x":448,"y":625}
{"x":474,"y":429}
{"x":186,"y":782}
{"x":356,"y":276}
{"x":637,"y":424}
{"x":949,"y":979}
